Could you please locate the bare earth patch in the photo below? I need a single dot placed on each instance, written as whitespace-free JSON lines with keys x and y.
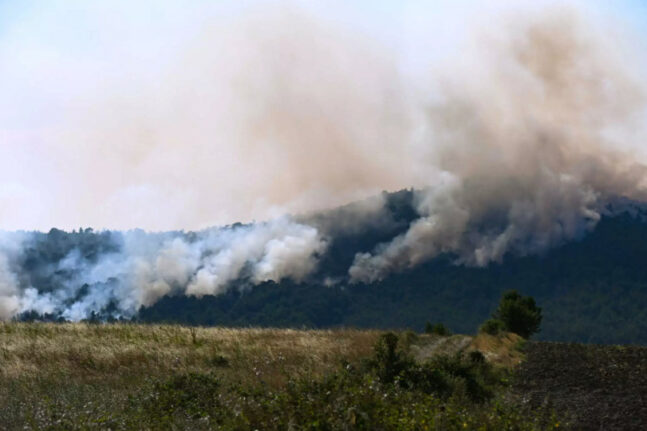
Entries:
{"x":596,"y":387}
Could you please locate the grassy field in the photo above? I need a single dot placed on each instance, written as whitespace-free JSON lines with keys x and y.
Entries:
{"x":123,"y":351}
{"x":123,"y":376}
{"x":84,"y":370}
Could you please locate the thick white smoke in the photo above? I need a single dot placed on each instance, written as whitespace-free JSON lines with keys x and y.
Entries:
{"x":148,"y":266}
{"x":515,"y":149}
{"x":10,"y":246}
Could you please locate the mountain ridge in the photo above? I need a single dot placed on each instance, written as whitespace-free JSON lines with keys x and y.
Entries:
{"x":592,"y":288}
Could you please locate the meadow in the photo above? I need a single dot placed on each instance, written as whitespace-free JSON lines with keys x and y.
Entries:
{"x":127,"y":376}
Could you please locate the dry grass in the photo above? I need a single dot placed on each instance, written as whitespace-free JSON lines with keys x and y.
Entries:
{"x":49,"y":371}
{"x":502,"y":350}
{"x":54,"y":375}
{"x":91,"y":351}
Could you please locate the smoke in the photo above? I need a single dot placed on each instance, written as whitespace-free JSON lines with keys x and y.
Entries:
{"x":526,"y":150}
{"x":10,"y":246}
{"x":515,"y":141}
{"x":73,"y":275}
{"x":352,"y":218}
{"x":272,"y":111}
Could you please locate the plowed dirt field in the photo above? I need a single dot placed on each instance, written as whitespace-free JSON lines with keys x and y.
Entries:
{"x":594,"y":387}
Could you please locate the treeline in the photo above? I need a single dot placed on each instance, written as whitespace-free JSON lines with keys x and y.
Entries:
{"x":593,"y":290}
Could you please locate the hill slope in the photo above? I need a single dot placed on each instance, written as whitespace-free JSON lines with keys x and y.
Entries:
{"x":592,"y":290}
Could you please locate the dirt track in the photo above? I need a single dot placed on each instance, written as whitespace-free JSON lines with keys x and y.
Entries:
{"x":595,"y":387}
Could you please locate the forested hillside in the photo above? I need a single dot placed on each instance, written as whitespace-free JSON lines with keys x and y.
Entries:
{"x":593,"y":289}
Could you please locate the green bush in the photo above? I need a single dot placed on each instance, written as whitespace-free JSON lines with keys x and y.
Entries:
{"x":388,"y":391}
{"x":519,"y":314}
{"x":492,"y":326}
{"x":218,"y":360}
{"x":473,"y":380}
{"x":441,"y":376}
{"x":407,"y":338}
{"x":192,"y":395}
{"x":476,"y":356}
{"x":387,"y":361}
{"x":447,"y":392}
{"x":437,"y":329}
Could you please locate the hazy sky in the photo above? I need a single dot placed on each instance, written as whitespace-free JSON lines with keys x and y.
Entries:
{"x":185,"y":114}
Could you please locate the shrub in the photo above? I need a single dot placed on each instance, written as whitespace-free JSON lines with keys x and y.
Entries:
{"x":492,"y":326}
{"x":472,"y":378}
{"x":441,"y":376}
{"x":477,"y":357}
{"x":427,"y":379}
{"x":437,"y":329}
{"x":519,"y":314}
{"x":390,"y":392}
{"x":217,"y":361}
{"x":193,"y":395}
{"x":387,"y":361}
{"x":407,"y":338}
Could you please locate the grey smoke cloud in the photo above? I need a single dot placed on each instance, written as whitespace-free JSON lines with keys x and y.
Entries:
{"x":274,"y":111}
{"x":525,"y":149}
{"x":516,"y":149}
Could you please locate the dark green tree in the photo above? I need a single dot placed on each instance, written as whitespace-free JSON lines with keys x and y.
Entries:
{"x":519,"y":314}
{"x":437,"y":329}
{"x":492,"y":326}
{"x":388,"y":361}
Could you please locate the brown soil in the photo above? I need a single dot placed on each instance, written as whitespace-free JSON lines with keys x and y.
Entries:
{"x":595,"y":387}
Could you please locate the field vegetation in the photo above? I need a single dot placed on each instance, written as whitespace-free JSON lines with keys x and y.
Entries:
{"x":126,"y":376}
{"x":591,"y":289}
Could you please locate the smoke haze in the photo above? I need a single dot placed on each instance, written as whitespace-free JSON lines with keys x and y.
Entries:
{"x":527,"y":152}
{"x":118,"y":272}
{"x":515,"y":137}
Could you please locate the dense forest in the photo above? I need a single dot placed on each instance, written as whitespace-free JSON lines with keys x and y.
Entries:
{"x":593,"y":289}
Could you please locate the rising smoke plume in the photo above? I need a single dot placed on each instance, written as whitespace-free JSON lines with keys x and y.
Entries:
{"x":513,"y":152}
{"x":525,"y":149}
{"x":83,"y":273}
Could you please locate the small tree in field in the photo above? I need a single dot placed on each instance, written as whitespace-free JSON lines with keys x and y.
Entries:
{"x":519,"y":314}
{"x":438,"y":329}
{"x":492,"y":327}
